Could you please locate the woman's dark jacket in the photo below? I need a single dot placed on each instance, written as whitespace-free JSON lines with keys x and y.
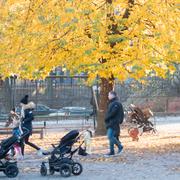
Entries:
{"x":27,"y":120}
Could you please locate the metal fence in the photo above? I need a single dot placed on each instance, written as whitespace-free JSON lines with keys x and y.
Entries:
{"x":54,"y":91}
{"x":60,"y":91}
{"x":157,"y":94}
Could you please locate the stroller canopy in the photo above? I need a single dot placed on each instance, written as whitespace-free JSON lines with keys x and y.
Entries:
{"x":70,"y":136}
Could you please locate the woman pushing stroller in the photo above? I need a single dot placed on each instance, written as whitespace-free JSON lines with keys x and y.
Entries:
{"x":26,"y":123}
{"x":21,"y":124}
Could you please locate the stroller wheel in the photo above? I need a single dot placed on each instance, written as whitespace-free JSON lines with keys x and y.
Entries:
{"x":65,"y":170}
{"x":43,"y":170}
{"x":11,"y":171}
{"x":77,"y":169}
{"x":51,"y":170}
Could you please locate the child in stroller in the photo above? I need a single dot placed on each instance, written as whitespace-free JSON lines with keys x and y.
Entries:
{"x":7,"y":166}
{"x":60,"y":159}
{"x":14,"y":121}
{"x":139,"y":120}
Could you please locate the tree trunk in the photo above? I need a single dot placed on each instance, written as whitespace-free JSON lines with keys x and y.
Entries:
{"x":105,"y":86}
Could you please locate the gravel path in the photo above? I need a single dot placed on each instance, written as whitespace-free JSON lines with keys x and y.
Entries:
{"x":164,"y":167}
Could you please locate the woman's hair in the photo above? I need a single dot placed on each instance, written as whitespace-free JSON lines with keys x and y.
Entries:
{"x":30,"y":105}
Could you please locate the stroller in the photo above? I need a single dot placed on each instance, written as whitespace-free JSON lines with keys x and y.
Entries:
{"x":60,"y":159}
{"x":139,"y":121}
{"x":8,"y":166}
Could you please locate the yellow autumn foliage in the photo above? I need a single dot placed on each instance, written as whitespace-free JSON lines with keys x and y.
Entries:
{"x":37,"y":36}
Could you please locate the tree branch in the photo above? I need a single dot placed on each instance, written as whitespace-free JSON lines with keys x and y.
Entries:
{"x":127,"y":11}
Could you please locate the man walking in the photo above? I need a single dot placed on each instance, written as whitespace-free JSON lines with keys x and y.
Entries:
{"x":114,"y":117}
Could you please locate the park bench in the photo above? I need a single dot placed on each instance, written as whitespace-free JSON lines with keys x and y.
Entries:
{"x":36,"y":130}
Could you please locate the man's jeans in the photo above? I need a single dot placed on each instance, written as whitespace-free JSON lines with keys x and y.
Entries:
{"x":113,"y":140}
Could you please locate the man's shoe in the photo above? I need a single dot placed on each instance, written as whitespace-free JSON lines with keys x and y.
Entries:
{"x":120,"y":150}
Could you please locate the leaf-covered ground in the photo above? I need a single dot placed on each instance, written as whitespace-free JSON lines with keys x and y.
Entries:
{"x":154,"y":156}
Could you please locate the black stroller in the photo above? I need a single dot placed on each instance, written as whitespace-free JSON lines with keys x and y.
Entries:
{"x":8,"y":166}
{"x":60,"y":159}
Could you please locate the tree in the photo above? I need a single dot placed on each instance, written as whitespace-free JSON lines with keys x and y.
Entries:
{"x":109,"y":38}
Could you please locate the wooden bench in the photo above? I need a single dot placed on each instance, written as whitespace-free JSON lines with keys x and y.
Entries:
{"x":36,"y":130}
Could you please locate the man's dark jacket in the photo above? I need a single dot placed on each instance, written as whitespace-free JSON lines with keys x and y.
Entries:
{"x":114,"y":115}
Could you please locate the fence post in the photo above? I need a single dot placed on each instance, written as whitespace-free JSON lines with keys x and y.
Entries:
{"x":166,"y":105}
{"x":36,"y":91}
{"x":42,"y":133}
{"x":50,"y":91}
{"x":15,"y":77}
